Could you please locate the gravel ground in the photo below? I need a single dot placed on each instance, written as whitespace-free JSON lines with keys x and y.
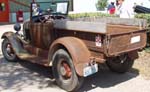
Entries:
{"x":142,"y":64}
{"x":27,"y":77}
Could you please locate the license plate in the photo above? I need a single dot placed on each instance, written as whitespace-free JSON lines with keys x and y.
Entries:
{"x":135,"y":39}
{"x":89,"y":70}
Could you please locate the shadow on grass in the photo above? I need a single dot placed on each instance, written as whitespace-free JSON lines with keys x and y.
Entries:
{"x":24,"y":74}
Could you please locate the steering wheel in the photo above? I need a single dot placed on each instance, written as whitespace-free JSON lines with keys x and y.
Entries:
{"x":44,"y":18}
{"x":49,"y":14}
{"x":58,"y":16}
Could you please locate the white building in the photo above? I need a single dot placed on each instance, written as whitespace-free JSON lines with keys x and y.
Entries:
{"x":84,"y":5}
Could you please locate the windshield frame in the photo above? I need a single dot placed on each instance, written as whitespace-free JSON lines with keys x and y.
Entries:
{"x":52,"y":2}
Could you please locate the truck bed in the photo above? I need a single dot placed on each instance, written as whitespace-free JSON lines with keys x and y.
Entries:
{"x":102,"y":25}
{"x":117,"y":35}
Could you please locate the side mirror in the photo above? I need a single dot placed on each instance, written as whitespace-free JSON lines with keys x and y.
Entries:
{"x":17,"y":27}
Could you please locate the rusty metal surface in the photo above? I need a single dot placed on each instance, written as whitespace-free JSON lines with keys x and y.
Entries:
{"x":121,"y":43}
{"x":81,"y":45}
{"x":36,"y":51}
{"x":7,"y":35}
{"x":121,"y":29}
{"x":27,"y":52}
{"x":77,"y":49}
{"x":16,"y":44}
{"x":89,"y":40}
{"x":42,"y":34}
{"x":133,"y":55}
{"x":36,"y":55}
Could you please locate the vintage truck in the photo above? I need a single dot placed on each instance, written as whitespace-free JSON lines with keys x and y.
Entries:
{"x":74,"y":48}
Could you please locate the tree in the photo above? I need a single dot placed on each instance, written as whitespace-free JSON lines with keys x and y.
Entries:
{"x":101,"y":4}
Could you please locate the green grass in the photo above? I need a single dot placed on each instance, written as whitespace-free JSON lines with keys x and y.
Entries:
{"x":97,"y":14}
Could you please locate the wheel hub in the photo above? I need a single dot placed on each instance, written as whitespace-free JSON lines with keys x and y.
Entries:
{"x":65,"y":70}
{"x":122,"y":59}
{"x":9,"y":50}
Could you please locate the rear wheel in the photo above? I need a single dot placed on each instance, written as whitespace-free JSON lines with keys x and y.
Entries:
{"x":64,"y":71}
{"x":120,"y":64}
{"x":8,"y":51}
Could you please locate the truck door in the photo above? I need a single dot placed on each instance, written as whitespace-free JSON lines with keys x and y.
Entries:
{"x":41,"y":34}
{"x":4,"y":11}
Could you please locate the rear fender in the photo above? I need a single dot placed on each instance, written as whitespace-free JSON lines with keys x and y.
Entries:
{"x":77,"y":50}
{"x":133,"y":55}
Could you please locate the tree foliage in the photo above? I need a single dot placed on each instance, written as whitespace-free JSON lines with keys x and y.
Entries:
{"x":101,"y":4}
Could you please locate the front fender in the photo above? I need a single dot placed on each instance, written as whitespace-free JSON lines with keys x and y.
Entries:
{"x":77,"y":50}
{"x":7,"y":35}
{"x":15,"y":42}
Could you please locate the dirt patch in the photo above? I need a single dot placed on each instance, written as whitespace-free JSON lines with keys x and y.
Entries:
{"x":142,"y":64}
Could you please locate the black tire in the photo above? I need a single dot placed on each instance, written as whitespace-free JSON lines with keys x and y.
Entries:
{"x":67,"y":81}
{"x":120,"y":64}
{"x":8,"y":52}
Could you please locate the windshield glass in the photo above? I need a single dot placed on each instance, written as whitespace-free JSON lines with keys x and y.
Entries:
{"x":40,"y":8}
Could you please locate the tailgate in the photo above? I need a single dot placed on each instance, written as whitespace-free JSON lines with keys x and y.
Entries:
{"x":125,"y":42}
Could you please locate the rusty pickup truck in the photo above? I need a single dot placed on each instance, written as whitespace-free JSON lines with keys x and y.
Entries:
{"x":74,"y":48}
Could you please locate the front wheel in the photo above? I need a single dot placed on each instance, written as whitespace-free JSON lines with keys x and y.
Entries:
{"x":8,"y":51}
{"x":120,"y":64}
{"x":64,"y":71}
